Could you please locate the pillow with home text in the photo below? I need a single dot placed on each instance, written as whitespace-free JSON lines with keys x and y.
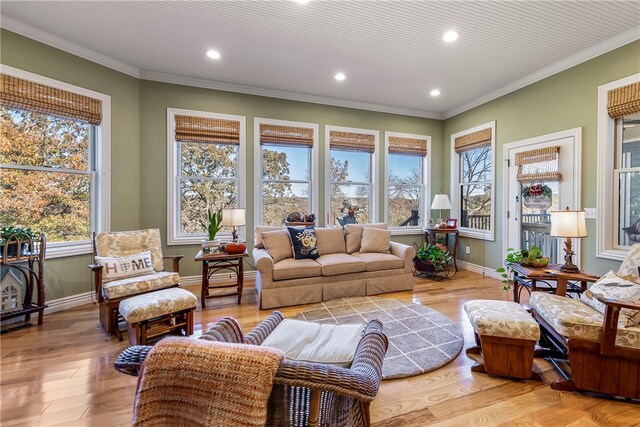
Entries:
{"x":116,"y":268}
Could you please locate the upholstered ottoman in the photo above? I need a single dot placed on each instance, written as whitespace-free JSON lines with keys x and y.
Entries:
{"x":158,"y":313}
{"x":506,"y":335}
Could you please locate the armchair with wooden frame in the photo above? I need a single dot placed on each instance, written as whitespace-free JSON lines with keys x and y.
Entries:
{"x":125,"y":243}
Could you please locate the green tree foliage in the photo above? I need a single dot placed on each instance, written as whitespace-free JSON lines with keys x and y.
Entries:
{"x":340,"y":194}
{"x":404,"y":196}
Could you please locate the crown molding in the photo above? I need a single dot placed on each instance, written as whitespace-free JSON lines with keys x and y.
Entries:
{"x":47,"y":38}
{"x":282,"y":94}
{"x":573,"y":60}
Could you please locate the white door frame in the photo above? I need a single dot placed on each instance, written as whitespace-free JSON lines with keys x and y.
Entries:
{"x":576,"y":134}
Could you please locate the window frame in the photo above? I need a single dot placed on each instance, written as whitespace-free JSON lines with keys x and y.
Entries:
{"x":425,"y":190}
{"x":99,"y":157}
{"x":174,"y":237}
{"x":374,"y":181}
{"x":607,"y":198}
{"x":456,"y":184}
{"x":257,"y":163}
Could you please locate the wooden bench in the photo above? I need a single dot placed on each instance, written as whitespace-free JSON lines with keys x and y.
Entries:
{"x":158,"y":313}
{"x":506,"y":336}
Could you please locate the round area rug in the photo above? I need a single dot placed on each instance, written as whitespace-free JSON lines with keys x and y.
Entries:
{"x":421,"y":339}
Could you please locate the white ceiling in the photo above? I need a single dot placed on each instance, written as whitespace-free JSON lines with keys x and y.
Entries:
{"x":391,"y":51}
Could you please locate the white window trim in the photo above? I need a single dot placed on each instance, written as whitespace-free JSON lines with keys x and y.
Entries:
{"x":375,"y":186}
{"x":257,"y":163}
{"x":101,"y":179}
{"x":426,"y":185}
{"x":606,"y":198}
{"x":173,"y":180}
{"x":455,"y":184}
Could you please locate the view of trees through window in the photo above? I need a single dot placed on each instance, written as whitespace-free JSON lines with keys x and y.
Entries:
{"x":475,"y":186}
{"x":45,"y":181}
{"x":405,"y":190}
{"x":350,"y":173}
{"x":627,"y":173}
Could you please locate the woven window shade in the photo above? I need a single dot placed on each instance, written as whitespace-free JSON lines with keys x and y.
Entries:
{"x":624,"y":100}
{"x":39,"y":98}
{"x":286,"y":135}
{"x":539,"y":165}
{"x":207,"y":130}
{"x":352,"y":141}
{"x":471,"y":141}
{"x":413,"y":146}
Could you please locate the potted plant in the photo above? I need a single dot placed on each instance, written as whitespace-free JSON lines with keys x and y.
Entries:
{"x":16,"y":237}
{"x":431,"y":259}
{"x":531,"y":257}
{"x":213,"y":224}
{"x":441,"y":242}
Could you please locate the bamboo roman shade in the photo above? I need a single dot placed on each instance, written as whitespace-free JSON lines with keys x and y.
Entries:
{"x":352,"y":141}
{"x":292,"y":136}
{"x":402,"y":145}
{"x":539,"y":165}
{"x":624,"y":100}
{"x":471,"y":141}
{"x":24,"y":94}
{"x":207,"y":130}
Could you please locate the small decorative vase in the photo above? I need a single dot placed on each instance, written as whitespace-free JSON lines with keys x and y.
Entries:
{"x":212,"y":245}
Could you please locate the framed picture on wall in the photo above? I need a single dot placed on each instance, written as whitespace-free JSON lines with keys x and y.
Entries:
{"x":452,"y":222}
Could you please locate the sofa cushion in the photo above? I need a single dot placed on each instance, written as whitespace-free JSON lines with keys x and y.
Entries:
{"x":573,"y":318}
{"x":305,"y":243}
{"x":296,"y":269}
{"x":376,"y":261}
{"x":278,"y":244}
{"x":353,"y":235}
{"x":334,"y":264}
{"x":123,"y":243}
{"x":316,"y":343}
{"x":257,"y":238}
{"x":375,"y":240}
{"x":139,"y":284}
{"x":156,"y":304}
{"x":611,"y":286}
{"x":629,"y":268}
{"x":115,"y":268}
{"x":331,"y":240}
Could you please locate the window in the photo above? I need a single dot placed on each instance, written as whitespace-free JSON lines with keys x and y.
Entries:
{"x":206,"y":152}
{"x":618,"y":167}
{"x":53,"y":160}
{"x":406,"y":186}
{"x":286,"y":169}
{"x":473,"y":175}
{"x":351,"y":183}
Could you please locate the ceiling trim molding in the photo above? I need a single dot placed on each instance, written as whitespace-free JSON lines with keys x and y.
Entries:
{"x":282,"y":94}
{"x":47,"y":38}
{"x":573,"y":60}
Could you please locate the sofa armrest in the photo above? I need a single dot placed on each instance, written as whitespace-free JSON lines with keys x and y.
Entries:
{"x":406,"y":252}
{"x":97,"y":278}
{"x":262,"y":260}
{"x":262,"y":331}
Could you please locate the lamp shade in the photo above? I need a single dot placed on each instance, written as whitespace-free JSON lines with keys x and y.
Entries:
{"x":441,"y":201}
{"x":233,"y":217}
{"x":568,"y":223}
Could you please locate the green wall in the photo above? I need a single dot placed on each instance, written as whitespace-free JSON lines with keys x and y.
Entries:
{"x":563,"y":101}
{"x":70,"y":276}
{"x":156,"y":97}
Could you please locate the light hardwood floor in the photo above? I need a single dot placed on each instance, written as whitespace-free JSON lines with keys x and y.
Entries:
{"x":62,"y":373}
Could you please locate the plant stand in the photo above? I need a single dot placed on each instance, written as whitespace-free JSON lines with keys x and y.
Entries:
{"x":426,"y":270}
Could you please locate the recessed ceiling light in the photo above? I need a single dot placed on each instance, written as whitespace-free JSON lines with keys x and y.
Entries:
{"x":213,"y":54}
{"x":302,"y":1}
{"x":340,"y":77}
{"x":450,"y":36}
{"x":435,"y":92}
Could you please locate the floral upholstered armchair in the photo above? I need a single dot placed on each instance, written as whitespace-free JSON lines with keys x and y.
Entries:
{"x":128,"y":263}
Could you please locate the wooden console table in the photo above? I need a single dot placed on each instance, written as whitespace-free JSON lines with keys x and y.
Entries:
{"x":431,"y":234}
{"x":218,"y":261}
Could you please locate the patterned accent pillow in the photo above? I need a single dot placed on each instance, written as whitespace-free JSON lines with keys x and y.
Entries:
{"x":629,"y":268}
{"x":116,"y":268}
{"x":305,"y":243}
{"x":614,"y":287}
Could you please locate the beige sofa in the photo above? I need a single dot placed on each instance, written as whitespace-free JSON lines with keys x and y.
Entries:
{"x":340,"y":271}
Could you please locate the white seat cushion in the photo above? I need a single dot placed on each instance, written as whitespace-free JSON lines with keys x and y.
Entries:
{"x":156,"y":304}
{"x":334,"y":264}
{"x":377,"y":262}
{"x":139,"y":284}
{"x":314,"y":342}
{"x":501,"y":319}
{"x":295,"y":269}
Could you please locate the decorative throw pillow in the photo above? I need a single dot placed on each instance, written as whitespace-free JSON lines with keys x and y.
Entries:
{"x":331,"y":240}
{"x":305,"y":243}
{"x":614,"y":287}
{"x":278,"y":244}
{"x":375,"y":240}
{"x":353,"y":235}
{"x":629,"y":268}
{"x":116,"y":268}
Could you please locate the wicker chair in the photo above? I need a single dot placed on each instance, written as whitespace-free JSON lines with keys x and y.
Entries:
{"x":303,"y":393}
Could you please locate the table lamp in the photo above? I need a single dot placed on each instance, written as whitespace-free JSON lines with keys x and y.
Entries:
{"x":233,"y":217}
{"x":441,"y":201}
{"x":568,"y":224}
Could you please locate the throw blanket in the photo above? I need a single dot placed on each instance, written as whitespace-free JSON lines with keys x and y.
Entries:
{"x":187,"y":382}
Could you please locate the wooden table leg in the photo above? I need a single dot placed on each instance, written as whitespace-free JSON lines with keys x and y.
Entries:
{"x":455,"y":250}
{"x":561,"y":286}
{"x":240,"y":279}
{"x":204,"y":292}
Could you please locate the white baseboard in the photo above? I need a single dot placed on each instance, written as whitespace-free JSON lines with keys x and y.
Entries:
{"x":66,"y":303}
{"x":480,"y":269}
